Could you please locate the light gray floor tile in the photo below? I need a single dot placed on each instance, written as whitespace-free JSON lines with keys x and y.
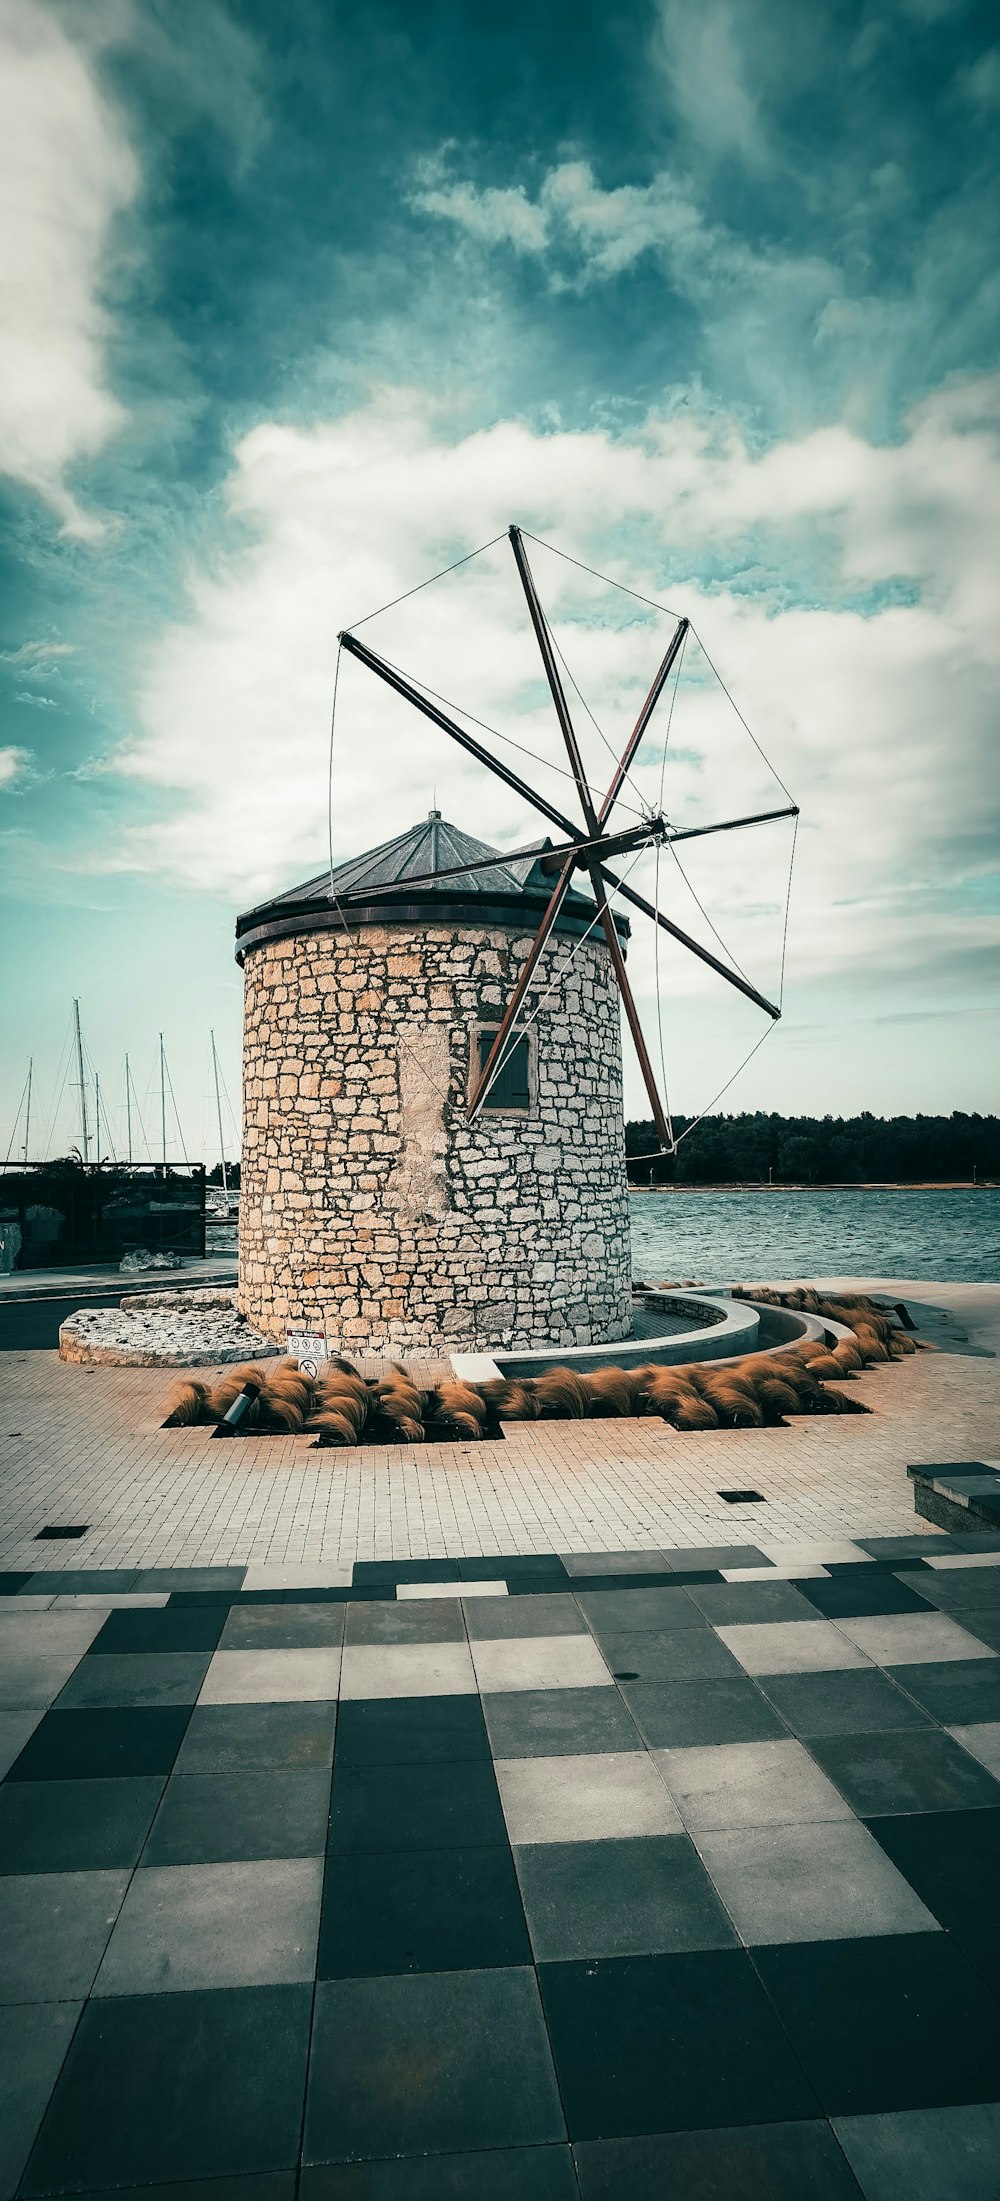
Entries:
{"x":33,"y":2042}
{"x":235,"y":1925}
{"x":912,"y":1639}
{"x":15,"y":1727}
{"x":407,"y":1670}
{"x":541,"y":1662}
{"x":499,"y":1617}
{"x":925,"y":2154}
{"x":584,"y":1799}
{"x":34,"y":1680}
{"x":749,"y":1784}
{"x":821,"y":1882}
{"x":54,"y":1928}
{"x":49,"y":1635}
{"x":791,"y":1647}
{"x":982,"y":1739}
{"x":134,"y":1678}
{"x":405,"y":1591}
{"x":271,"y":1677}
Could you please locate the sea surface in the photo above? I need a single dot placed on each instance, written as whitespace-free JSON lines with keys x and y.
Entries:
{"x":720,"y":1237}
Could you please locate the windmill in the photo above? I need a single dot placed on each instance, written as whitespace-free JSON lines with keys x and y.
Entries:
{"x":588,"y":844}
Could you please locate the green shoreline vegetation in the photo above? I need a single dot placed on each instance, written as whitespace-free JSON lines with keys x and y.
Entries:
{"x":805,"y":1153}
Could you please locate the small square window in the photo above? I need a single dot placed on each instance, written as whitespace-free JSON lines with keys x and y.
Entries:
{"x":510,"y":1088}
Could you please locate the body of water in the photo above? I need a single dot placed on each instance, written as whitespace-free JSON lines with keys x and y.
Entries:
{"x":724,"y":1237}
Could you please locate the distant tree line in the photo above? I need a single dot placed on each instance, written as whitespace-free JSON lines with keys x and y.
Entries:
{"x":762,"y":1149}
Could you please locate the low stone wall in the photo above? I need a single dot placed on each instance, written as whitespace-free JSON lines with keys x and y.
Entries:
{"x":116,"y":1337}
{"x":367,"y":1202}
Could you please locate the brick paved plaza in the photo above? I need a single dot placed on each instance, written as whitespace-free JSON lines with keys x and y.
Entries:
{"x":511,"y":1820}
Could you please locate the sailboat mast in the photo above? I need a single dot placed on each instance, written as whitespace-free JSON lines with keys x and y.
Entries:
{"x":128,"y":1106}
{"x":27,"y":1112}
{"x":84,"y":1126}
{"x":163,"y":1102}
{"x":97,"y":1104}
{"x":218,"y":1112}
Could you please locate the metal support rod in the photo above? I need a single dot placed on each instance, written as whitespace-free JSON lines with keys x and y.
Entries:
{"x":556,"y":900}
{"x":638,"y":901}
{"x":631,"y":1012}
{"x":84,"y":1126}
{"x":646,"y":713}
{"x":731,"y":825}
{"x":475,"y":748}
{"x":163,"y":1103}
{"x":218,"y":1111}
{"x":27,"y":1111}
{"x":544,"y":641}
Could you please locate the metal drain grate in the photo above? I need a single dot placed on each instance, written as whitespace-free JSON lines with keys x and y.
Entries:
{"x":742,"y":1497}
{"x":54,"y":1535}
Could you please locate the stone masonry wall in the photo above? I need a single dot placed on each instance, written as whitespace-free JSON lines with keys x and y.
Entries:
{"x":367,"y":1201}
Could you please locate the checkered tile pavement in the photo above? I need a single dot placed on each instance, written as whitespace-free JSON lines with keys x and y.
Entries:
{"x":616,"y":1875}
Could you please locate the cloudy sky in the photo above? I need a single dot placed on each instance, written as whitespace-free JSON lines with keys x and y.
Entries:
{"x":301,"y":304}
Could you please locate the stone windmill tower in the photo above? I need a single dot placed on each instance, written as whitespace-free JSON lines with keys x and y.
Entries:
{"x":433,"y":1141}
{"x":369,"y":1199}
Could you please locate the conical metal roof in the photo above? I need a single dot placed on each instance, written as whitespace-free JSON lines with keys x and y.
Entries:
{"x":411,"y":880}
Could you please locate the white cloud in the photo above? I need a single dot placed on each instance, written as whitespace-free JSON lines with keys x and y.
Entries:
{"x":14,"y":764}
{"x":492,"y":216}
{"x":32,"y":657}
{"x":881,"y":721}
{"x":981,"y":83}
{"x":66,"y":170}
{"x":699,"y":53}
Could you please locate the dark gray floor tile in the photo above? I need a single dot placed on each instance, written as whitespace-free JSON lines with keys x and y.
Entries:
{"x":957,"y":1590}
{"x":411,"y":1730}
{"x":189,"y":1578}
{"x":282,"y":1627}
{"x":420,"y":1910}
{"x":415,"y":1620}
{"x":493,"y":1618}
{"x":625,"y":1612}
{"x":925,"y":2154}
{"x":735,"y":1604}
{"x":548,"y":1723}
{"x":54,"y":1929}
{"x":80,"y":1581}
{"x":135,"y":1678}
{"x":669,"y":2043}
{"x":796,"y":2162}
{"x":952,"y":1859}
{"x":493,"y":2174}
{"x":429,"y":2063}
{"x":188,"y":1927}
{"x":233,"y":1738}
{"x":918,"y":1769}
{"x":273,"y":2185}
{"x":16,"y":1725}
{"x":674,"y":1654}
{"x":956,"y":1691}
{"x":901,"y":2022}
{"x":119,"y":1742}
{"x":907,"y":1547}
{"x":844,"y":1702}
{"x":33,"y":2042}
{"x":160,"y":2087}
{"x":75,"y":1826}
{"x":619,"y":1898}
{"x":675,"y":1714}
{"x":393,"y":1807}
{"x":159,"y":1628}
{"x":705,"y":1559}
{"x":858,"y":1593}
{"x":214,"y":1818}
